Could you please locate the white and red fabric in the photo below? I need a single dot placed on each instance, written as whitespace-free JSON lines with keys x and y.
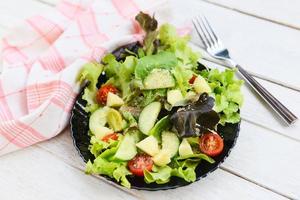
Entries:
{"x":42,"y":57}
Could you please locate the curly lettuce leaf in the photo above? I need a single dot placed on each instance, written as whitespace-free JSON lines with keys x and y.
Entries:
{"x":227,"y":92}
{"x":120,"y":73}
{"x":182,"y":77}
{"x":149,"y":25}
{"x":120,"y":174}
{"x":90,"y":72}
{"x":172,"y":42}
{"x":160,"y":175}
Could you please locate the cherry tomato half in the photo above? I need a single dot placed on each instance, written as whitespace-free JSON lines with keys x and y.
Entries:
{"x":103,"y":92}
{"x":192,"y":80}
{"x":113,"y":136}
{"x":140,"y":163}
{"x":211,"y":144}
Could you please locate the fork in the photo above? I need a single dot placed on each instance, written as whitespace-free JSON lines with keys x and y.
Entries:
{"x":215,"y":48}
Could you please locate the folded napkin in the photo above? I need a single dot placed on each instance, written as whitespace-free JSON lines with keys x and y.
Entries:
{"x":42,"y":57}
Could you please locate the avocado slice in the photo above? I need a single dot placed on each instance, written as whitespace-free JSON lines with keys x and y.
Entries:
{"x":159,"y":78}
{"x":200,"y":85}
{"x":114,"y":100}
{"x":149,"y":145}
{"x":162,"y":158}
{"x":185,"y":148}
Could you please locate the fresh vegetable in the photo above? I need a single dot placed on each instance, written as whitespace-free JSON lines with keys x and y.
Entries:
{"x":196,"y":118}
{"x":149,"y":116}
{"x":127,"y":149}
{"x":162,"y":158}
{"x":103,"y":93}
{"x":227,"y":92}
{"x":112,"y":136}
{"x":174,"y":97}
{"x":139,"y":164}
{"x":170,"y":143}
{"x":201,"y":86}
{"x":159,"y":78}
{"x":157,"y":109}
{"x":160,"y":126}
{"x":185,"y":148}
{"x":114,"y":100}
{"x":211,"y":144}
{"x":149,"y":145}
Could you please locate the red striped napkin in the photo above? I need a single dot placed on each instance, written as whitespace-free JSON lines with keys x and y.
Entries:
{"x":41,"y":59}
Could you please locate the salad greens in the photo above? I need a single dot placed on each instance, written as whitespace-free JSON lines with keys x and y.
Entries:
{"x":152,"y":105}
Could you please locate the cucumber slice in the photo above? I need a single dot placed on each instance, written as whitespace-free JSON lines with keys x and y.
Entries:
{"x":127,"y":149}
{"x":159,"y":78}
{"x":149,"y":145}
{"x":185,"y":148}
{"x":148,"y":117}
{"x":170,"y":142}
{"x":200,"y":85}
{"x":98,"y":119}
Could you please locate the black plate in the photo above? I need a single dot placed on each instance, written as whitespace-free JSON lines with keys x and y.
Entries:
{"x":79,"y":131}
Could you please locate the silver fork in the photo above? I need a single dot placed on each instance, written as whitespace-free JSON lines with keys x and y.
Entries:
{"x":215,"y":48}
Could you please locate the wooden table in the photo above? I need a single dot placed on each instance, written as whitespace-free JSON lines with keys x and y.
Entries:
{"x":264,"y":37}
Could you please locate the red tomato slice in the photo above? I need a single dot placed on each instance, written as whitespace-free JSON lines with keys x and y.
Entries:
{"x":211,"y":144}
{"x":103,"y":92}
{"x":140,"y":163}
{"x":113,"y":136}
{"x":192,"y":80}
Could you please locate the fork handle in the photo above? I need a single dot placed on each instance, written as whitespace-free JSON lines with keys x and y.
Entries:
{"x":274,"y":103}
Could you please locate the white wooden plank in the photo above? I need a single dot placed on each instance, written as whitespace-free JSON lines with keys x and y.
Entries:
{"x":212,"y":187}
{"x":282,"y":11}
{"x":36,"y":174}
{"x":218,"y":185}
{"x":268,"y":159}
{"x":260,"y":46}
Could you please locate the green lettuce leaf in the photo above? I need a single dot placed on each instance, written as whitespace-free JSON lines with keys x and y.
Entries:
{"x":120,"y":174}
{"x":90,"y":72}
{"x":227,"y":92}
{"x":160,"y":175}
{"x":152,"y":95}
{"x":182,"y":77}
{"x":120,"y":73}
{"x":172,"y":42}
{"x":188,"y":174}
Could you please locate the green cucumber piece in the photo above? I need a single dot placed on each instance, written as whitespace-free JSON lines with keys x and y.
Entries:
{"x":170,"y":142}
{"x":127,"y":149}
{"x":98,"y":119}
{"x":148,"y":117}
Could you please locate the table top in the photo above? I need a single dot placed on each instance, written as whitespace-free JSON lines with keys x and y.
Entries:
{"x":264,"y":37}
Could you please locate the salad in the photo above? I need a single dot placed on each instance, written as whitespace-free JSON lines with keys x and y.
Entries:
{"x":154,"y":110}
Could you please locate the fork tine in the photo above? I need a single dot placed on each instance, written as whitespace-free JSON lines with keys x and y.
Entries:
{"x":204,"y":32}
{"x":214,"y":36}
{"x":200,"y":33}
{"x":208,"y":32}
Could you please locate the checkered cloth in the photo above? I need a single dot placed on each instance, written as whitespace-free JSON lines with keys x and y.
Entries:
{"x":42,"y":57}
